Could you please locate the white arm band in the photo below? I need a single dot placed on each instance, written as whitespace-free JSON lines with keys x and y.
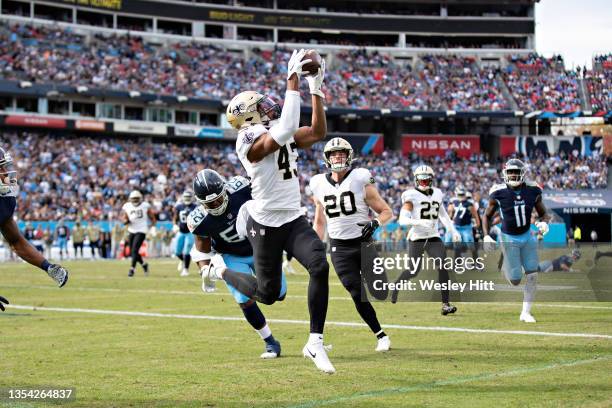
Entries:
{"x":404,"y":217}
{"x":289,"y":120}
{"x":197,"y":256}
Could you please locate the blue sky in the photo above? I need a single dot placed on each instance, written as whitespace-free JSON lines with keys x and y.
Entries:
{"x":576,"y":29}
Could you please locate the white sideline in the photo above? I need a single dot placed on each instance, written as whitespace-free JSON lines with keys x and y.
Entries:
{"x":305,"y":322}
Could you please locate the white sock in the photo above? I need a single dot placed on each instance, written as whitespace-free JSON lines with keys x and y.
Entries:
{"x":264,"y":332}
{"x":315,"y":338}
{"x":531,"y":285}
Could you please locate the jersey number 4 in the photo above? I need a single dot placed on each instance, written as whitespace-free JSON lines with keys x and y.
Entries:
{"x":283,"y":162}
{"x":331,"y":204}
{"x":430,"y":211}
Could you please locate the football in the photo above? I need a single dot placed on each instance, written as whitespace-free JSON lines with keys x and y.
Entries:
{"x":313,"y":66}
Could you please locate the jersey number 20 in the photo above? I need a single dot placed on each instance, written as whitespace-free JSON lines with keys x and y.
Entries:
{"x":331,"y":204}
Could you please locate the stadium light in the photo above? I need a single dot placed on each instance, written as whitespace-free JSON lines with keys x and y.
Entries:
{"x":25,"y":84}
{"x":53,"y":93}
{"x":519,"y":113}
{"x":82,"y":89}
{"x":182,"y":98}
{"x":451,"y":113}
{"x":134,"y":94}
{"x":385,"y":111}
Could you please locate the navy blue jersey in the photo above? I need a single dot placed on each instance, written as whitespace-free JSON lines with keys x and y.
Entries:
{"x":567,"y":260}
{"x":182,"y":212}
{"x":516,"y":206}
{"x":28,"y":234}
{"x":462,"y":215}
{"x":7,"y":208}
{"x":62,"y":231}
{"x":222,"y":228}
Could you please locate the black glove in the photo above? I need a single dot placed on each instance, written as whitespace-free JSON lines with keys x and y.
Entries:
{"x":368,"y":228}
{"x":3,"y":300}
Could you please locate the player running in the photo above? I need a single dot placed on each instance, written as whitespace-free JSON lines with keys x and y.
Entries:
{"x":214,"y":227}
{"x":184,"y":240}
{"x":135,"y":214}
{"x":8,"y":201}
{"x":516,"y":199}
{"x":267,"y":145}
{"x":421,"y":209}
{"x":343,"y":200}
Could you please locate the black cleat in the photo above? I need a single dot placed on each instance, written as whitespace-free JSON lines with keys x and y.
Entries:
{"x":447,"y":308}
{"x":131,"y":273}
{"x":145,"y":266}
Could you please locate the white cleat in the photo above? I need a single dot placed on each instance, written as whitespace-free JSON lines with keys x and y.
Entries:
{"x":185,"y":272}
{"x":527,"y":318}
{"x":179,"y":267}
{"x":318,"y":353}
{"x":384,"y":344}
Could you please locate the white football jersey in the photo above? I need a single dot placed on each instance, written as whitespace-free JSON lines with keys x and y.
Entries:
{"x":424,"y":207}
{"x":275,"y":186}
{"x":344,"y":204}
{"x":137,"y":216}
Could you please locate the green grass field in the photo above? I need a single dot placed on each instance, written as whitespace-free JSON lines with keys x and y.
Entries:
{"x":171,"y":356}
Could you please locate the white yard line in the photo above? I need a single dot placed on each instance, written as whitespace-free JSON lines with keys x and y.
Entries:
{"x":305,"y":322}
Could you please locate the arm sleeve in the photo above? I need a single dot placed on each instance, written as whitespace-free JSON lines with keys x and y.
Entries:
{"x":289,"y":121}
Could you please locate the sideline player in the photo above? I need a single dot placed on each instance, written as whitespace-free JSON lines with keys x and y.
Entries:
{"x":462,"y":211}
{"x":184,"y":240}
{"x":135,"y":214}
{"x":516,"y":199}
{"x":267,"y":145}
{"x":8,"y":202}
{"x":214,"y":226}
{"x":422,"y":208}
{"x":343,"y":200}
{"x":561,"y":264}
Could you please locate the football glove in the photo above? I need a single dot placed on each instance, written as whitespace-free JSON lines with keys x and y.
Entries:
{"x":489,"y":243}
{"x":456,"y":236}
{"x":175,"y":228}
{"x":58,"y":273}
{"x":296,"y":63}
{"x":368,"y":228}
{"x":3,"y":300}
{"x":316,"y":81}
{"x":542,"y":227}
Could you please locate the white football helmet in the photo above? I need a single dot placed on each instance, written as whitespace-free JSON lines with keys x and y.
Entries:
{"x":460,"y":192}
{"x":135,"y":197}
{"x":249,"y":108}
{"x":335,"y":145}
{"x":514,"y":172}
{"x":8,"y":175}
{"x":423,"y":177}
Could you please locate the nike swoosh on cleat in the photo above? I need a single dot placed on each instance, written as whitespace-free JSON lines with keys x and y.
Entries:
{"x":310,"y":352}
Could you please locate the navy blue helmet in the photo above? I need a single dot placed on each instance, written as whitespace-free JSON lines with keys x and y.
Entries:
{"x":211,"y":191}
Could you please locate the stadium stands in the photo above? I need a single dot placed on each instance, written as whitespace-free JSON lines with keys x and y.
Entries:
{"x":355,"y":79}
{"x":70,"y":177}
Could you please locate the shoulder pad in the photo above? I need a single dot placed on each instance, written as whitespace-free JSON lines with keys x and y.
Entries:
{"x":237,"y":183}
{"x":195,"y":218}
{"x":531,"y":183}
{"x":496,"y":187}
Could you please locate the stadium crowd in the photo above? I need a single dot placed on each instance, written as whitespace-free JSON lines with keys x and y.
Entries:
{"x":355,"y":79}
{"x":71,"y":178}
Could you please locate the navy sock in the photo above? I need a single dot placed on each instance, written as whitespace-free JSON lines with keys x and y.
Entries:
{"x":254,"y":316}
{"x":270,"y":340}
{"x":186,"y":261}
{"x":179,"y":256}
